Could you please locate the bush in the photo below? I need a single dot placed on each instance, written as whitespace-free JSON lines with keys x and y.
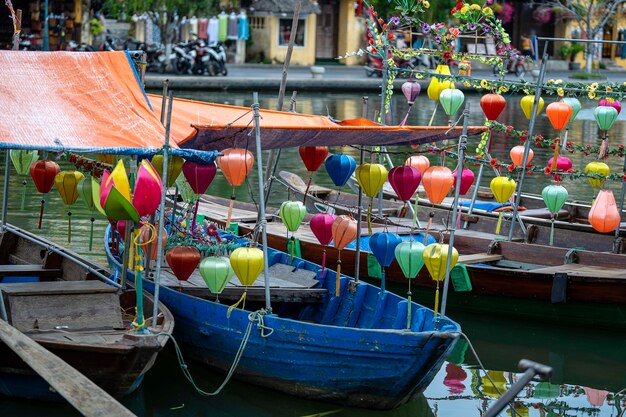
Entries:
{"x":587,"y":76}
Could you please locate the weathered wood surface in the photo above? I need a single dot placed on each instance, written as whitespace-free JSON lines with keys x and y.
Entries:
{"x":89,"y":399}
{"x":478,"y":258}
{"x":578,"y":270}
{"x":28,"y":270}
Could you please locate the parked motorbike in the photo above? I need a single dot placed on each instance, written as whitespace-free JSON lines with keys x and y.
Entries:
{"x":517,"y":66}
{"x":28,"y":42}
{"x":216,"y":55}
{"x":185,"y":57}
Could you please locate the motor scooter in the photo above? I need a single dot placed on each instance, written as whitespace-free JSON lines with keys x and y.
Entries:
{"x":216,"y":55}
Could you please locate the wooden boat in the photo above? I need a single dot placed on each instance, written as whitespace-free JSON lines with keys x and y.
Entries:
{"x":53,"y":295}
{"x":537,"y":220}
{"x":563,"y":285}
{"x":355,"y":349}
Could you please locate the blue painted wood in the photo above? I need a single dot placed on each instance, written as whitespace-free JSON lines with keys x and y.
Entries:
{"x":348,"y":349}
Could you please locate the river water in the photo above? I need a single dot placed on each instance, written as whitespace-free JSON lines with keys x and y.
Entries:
{"x":589,"y":364}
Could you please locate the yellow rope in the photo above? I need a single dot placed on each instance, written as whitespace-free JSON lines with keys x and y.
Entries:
{"x":234,"y":306}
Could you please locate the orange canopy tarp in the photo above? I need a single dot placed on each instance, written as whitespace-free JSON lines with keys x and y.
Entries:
{"x":210,"y":126}
{"x":74,"y":100}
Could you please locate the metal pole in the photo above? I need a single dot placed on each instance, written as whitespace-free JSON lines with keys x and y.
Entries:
{"x":531,"y":128}
{"x":359,"y":229}
{"x":166,"y":85}
{"x":455,"y":207}
{"x":409,"y":205}
{"x":159,"y":260}
{"x":5,"y":199}
{"x":46,"y":28}
{"x":621,"y":199}
{"x":259,"y":157}
{"x":383,"y":117}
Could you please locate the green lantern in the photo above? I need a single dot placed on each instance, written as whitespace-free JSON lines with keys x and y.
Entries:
{"x":292,"y":213}
{"x":605,"y":116}
{"x":572,"y":101}
{"x":554,"y":196}
{"x":216,"y":271}
{"x":409,"y":257}
{"x":85,"y":191}
{"x":451,"y":100}
{"x":22,"y":161}
{"x":184,"y":188}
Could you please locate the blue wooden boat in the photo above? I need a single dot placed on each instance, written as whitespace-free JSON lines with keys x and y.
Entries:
{"x":354,"y":349}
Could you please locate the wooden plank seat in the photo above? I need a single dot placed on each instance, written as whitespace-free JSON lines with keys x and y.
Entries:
{"x":28,"y":271}
{"x":544,"y":213}
{"x":478,"y":258}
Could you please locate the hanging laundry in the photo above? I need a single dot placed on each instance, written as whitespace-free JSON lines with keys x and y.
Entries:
{"x":184,"y":29}
{"x":203,"y":24}
{"x":232,"y":26}
{"x":193,"y":25}
{"x":213,"y":30}
{"x":222,"y":33}
{"x":243,"y":31}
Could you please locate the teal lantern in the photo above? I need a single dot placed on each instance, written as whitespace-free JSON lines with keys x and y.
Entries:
{"x":411,"y":261}
{"x":292,"y":213}
{"x":451,"y":100}
{"x":554,"y":196}
{"x":575,"y":104}
{"x":605,"y":117}
{"x":216,"y":271}
{"x":22,"y":161}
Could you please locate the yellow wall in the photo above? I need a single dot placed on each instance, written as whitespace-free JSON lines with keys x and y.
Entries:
{"x":350,"y":32}
{"x":301,"y":55}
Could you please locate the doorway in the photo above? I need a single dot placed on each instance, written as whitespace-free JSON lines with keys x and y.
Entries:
{"x":327,"y":30}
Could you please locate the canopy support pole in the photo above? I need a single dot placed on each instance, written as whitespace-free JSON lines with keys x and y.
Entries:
{"x":531,"y":128}
{"x":5,"y":199}
{"x":455,"y":205}
{"x":46,"y":27}
{"x":359,"y":229}
{"x":383,"y":120}
{"x":159,"y":259}
{"x":621,"y":205}
{"x":259,"y":157}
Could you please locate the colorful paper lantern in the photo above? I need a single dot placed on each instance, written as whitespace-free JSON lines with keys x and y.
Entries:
{"x":467,"y":179}
{"x":492,"y":105}
{"x":409,"y":257}
{"x":174,"y":167}
{"x":22,"y":160}
{"x":148,"y":189}
{"x":67,"y":185}
{"x":340,"y":168}
{"x":371,"y":178}
{"x":292,"y":213}
{"x":321,"y":225}
{"x":435,"y":87}
{"x":43,"y":174}
{"x":563,"y":163}
{"x":216,"y":271}
{"x":554,"y":196}
{"x":95,"y":193}
{"x":115,"y":196}
{"x":437,"y":182}
{"x":604,"y":215}
{"x":85,"y":191}
{"x":235,"y":165}
{"x":383,"y":246}
{"x":404,"y":180}
{"x":418,"y":161}
{"x":611,"y":102}
{"x":502,"y":189}
{"x":559,"y":114}
{"x":411,"y":89}
{"x":247,"y":264}
{"x":435,"y":258}
{"x":199,"y":176}
{"x":313,"y":156}
{"x":185,"y":191}
{"x":146,"y":234}
{"x":344,"y":231}
{"x":599,"y":168}
{"x":517,"y":155}
{"x":605,"y":116}
{"x":527,"y":103}
{"x":183,"y":260}
{"x":451,"y":100}
{"x":575,"y":103}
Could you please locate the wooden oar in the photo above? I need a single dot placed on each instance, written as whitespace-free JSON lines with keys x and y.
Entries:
{"x":88,"y":398}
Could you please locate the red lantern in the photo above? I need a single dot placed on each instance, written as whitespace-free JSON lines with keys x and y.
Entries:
{"x":404,"y":180}
{"x":559,"y":114}
{"x":199,"y":178}
{"x":321,"y":225}
{"x":183,"y":260}
{"x":43,"y":173}
{"x":313,"y":156}
{"x":492,"y":105}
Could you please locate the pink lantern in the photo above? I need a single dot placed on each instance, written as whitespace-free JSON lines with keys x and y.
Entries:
{"x":404,"y":180}
{"x":562,"y":163}
{"x":467,"y":179}
{"x":199,"y":176}
{"x":120,"y":225}
{"x":411,"y":89}
{"x":321,"y":225}
{"x":611,"y":103}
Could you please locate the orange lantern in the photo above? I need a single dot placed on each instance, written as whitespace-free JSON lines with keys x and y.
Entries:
{"x":148,"y":237}
{"x":235,"y":165}
{"x":437,"y":181}
{"x":517,"y":155}
{"x":418,"y":161}
{"x":604,"y":215}
{"x":559,"y":114}
{"x":344,"y":230}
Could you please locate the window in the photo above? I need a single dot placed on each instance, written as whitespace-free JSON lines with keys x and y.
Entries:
{"x":284,"y":32}
{"x":257,"y":22}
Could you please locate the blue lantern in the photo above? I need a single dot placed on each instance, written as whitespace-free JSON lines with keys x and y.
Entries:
{"x":383,"y":246}
{"x":340,"y":168}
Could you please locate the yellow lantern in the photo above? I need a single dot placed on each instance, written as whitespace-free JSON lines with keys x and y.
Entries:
{"x":502,"y":189}
{"x":67,"y":186}
{"x":248,"y":265}
{"x":435,"y":258}
{"x":371,"y":178}
{"x":600,"y":168}
{"x":436,"y":87}
{"x":527,"y":102}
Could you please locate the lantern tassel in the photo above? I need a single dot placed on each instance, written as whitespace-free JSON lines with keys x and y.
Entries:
{"x":458,"y":217}
{"x":382,"y":281}
{"x":406,"y":116}
{"x":408,"y":312}
{"x":41,"y":213}
{"x":306,"y":191}
{"x":415,"y":211}
{"x":230,"y":210}
{"x":91,"y":235}
{"x":242,"y":300}
{"x":489,"y":141}
{"x":430,"y":223}
{"x":552,"y":231}
{"x":432,"y":118}
{"x":195,"y":214}
{"x":23,"y":195}
{"x":564,"y":144}
{"x":291,"y":251}
{"x":555,"y":157}
{"x":69,"y":227}
{"x":369,"y":218}
{"x":499,"y":223}
{"x":323,"y":260}
{"x":604,"y":148}
{"x":338,"y":275}
{"x":437,"y":300}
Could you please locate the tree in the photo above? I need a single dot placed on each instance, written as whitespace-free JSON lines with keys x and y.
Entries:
{"x":591,"y":15}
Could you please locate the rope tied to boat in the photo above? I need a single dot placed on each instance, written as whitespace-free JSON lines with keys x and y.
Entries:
{"x":258,"y":316}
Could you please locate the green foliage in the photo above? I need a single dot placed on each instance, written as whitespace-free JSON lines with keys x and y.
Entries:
{"x":439,"y":10}
{"x":117,"y":8}
{"x":569,"y":50}
{"x":587,"y":76}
